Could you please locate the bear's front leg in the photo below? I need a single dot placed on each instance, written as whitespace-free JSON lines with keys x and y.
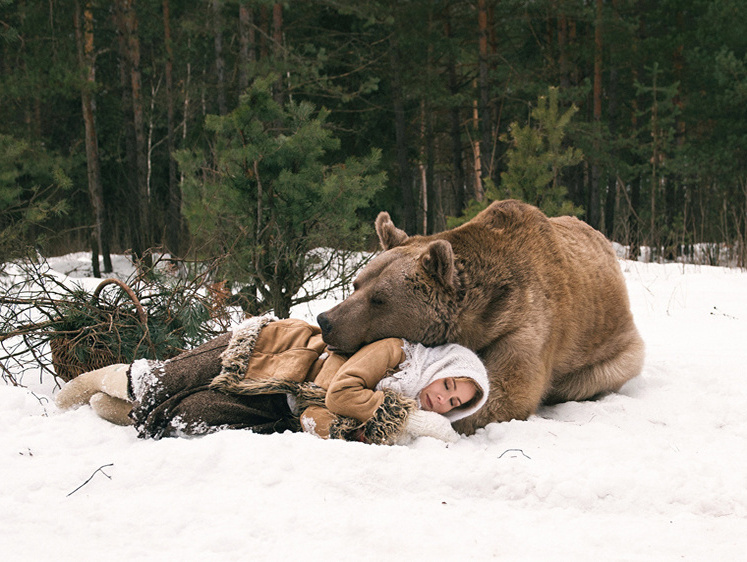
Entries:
{"x":518,"y":381}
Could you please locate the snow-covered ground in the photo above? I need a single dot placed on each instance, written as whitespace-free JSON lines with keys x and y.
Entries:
{"x":656,"y":472}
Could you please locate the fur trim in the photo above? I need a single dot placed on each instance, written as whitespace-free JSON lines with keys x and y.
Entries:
{"x":307,"y":393}
{"x":349,"y":429}
{"x":235,"y":359}
{"x":384,"y":427}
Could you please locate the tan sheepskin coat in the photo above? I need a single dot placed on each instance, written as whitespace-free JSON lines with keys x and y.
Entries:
{"x":289,"y":356}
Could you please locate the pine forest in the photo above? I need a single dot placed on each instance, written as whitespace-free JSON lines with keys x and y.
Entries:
{"x":253,"y":132}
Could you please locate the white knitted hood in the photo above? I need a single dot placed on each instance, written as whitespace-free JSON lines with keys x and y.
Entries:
{"x":423,"y":365}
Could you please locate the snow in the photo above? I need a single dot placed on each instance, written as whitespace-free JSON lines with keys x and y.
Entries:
{"x":656,"y":472}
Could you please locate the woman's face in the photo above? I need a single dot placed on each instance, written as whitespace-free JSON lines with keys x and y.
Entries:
{"x":444,"y":395}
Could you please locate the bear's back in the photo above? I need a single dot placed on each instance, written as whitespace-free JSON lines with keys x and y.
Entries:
{"x":558,"y":267}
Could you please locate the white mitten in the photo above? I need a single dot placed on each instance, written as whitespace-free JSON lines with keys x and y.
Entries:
{"x":421,"y":423}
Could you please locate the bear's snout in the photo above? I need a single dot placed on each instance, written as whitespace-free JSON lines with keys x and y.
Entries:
{"x":337,"y":334}
{"x":324,"y":324}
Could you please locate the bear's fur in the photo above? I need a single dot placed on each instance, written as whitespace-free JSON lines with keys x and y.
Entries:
{"x":543,"y":301}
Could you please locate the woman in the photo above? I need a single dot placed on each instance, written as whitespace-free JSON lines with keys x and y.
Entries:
{"x":272,"y":375}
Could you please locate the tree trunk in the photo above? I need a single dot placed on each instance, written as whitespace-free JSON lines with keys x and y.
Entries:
{"x":429,"y":196}
{"x":427,"y":159}
{"x":131,"y":216}
{"x":485,"y":125}
{"x":594,"y":188}
{"x":140,"y":219}
{"x":400,"y":128}
{"x":612,"y":117}
{"x":260,"y":196}
{"x":609,"y":204}
{"x":422,"y":168}
{"x":634,"y":222}
{"x":174,"y":219}
{"x":220,"y":64}
{"x":654,"y":160}
{"x":635,"y":225}
{"x":264,"y":26}
{"x":277,"y":45}
{"x":86,"y":56}
{"x":478,"y":166}
{"x":246,"y":45}
{"x":457,"y":166}
{"x":434,"y":189}
{"x":674,"y":194}
{"x":185,"y":108}
{"x":139,"y":123}
{"x":565,"y":81}
{"x":277,"y":29}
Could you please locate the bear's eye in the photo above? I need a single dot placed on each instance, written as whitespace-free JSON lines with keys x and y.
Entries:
{"x":377,"y":300}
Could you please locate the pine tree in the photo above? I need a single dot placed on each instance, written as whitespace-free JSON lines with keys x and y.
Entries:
{"x":265,"y":197}
{"x":537,"y":157}
{"x":30,"y":181}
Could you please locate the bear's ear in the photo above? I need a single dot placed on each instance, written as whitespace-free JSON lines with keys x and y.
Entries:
{"x":389,"y":235}
{"x":438,"y":261}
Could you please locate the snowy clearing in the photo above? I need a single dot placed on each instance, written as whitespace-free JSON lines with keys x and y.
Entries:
{"x":656,"y":472}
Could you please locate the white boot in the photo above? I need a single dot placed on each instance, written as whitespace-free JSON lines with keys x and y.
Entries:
{"x":114,"y":381}
{"x":111,"y":379}
{"x":112,"y":409}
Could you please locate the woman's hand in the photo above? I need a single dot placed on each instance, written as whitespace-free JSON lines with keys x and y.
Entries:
{"x":430,"y":424}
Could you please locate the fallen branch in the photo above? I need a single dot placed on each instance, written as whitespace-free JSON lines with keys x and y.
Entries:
{"x":514,"y":451}
{"x":99,"y":469}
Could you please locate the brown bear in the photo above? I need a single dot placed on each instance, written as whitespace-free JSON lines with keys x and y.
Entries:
{"x":542,"y":300}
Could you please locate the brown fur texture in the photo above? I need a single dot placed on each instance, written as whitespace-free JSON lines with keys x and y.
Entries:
{"x":543,"y":301}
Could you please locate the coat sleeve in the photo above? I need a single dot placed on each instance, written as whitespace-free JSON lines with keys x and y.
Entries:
{"x":351,"y":392}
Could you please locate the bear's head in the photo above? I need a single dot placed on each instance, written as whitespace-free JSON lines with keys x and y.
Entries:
{"x":408,"y":292}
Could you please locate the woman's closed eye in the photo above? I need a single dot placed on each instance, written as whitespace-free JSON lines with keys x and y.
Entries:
{"x":449,"y":385}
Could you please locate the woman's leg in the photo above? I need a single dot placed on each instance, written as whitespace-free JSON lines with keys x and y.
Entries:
{"x":173,"y":398}
{"x":154,"y":382}
{"x":207,"y":411}
{"x":191,"y":368}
